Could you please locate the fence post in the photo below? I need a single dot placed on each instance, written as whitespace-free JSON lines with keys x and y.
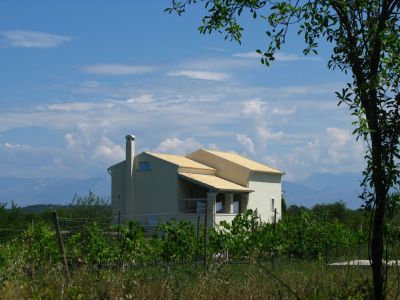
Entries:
{"x":197,"y":240}
{"x":61,"y":244}
{"x":30,"y":245}
{"x":275,"y":212}
{"x":205,"y":236}
{"x":119,"y":224}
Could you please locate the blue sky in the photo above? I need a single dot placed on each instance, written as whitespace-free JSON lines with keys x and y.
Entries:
{"x":77,"y":76}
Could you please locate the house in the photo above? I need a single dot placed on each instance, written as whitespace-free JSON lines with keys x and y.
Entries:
{"x":154,"y":187}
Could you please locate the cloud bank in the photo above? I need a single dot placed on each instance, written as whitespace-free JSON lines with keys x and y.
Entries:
{"x":33,"y":39}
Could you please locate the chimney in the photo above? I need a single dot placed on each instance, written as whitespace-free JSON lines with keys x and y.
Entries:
{"x":130,"y":174}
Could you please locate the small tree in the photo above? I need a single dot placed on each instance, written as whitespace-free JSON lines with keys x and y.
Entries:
{"x":365,"y":35}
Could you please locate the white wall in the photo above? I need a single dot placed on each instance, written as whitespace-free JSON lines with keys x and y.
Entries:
{"x":266,"y":187}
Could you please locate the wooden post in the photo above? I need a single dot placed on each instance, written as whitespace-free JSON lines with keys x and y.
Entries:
{"x":205,"y":236}
{"x":119,"y":224}
{"x":197,"y":240}
{"x":30,"y":245}
{"x":61,"y":244}
{"x":275,"y":212}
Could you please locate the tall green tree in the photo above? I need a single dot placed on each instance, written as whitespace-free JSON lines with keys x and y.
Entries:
{"x":365,"y":39}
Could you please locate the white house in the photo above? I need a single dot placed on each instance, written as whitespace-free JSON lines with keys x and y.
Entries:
{"x":154,"y":187}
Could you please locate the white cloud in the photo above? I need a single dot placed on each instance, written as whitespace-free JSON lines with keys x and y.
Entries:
{"x":308,"y":154}
{"x":335,"y":150}
{"x":342,"y":146}
{"x":11,"y":146}
{"x":90,"y":84}
{"x":267,"y":134}
{"x":280,"y":56}
{"x":116,"y":69}
{"x":203,"y":75}
{"x":88,"y":142}
{"x":177,"y":146}
{"x":340,"y":137}
{"x":250,"y":54}
{"x":246,"y":142}
{"x":282,"y":111}
{"x":210,"y":113}
{"x":33,"y":39}
{"x":260,"y":114}
{"x":254,"y":107}
{"x":146,"y":98}
{"x":108,"y":151}
{"x":74,"y":106}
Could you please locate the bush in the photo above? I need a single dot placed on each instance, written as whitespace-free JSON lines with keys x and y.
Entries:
{"x":178,"y":240}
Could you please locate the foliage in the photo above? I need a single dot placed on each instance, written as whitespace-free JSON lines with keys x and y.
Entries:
{"x":39,"y":246}
{"x":135,"y":248}
{"x":15,"y":219}
{"x":304,"y":236}
{"x":125,"y":257}
{"x":87,"y":207}
{"x":178,"y":240}
{"x":90,"y":246}
{"x":241,"y":238}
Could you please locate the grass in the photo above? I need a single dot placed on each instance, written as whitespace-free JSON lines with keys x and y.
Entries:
{"x":282,"y":279}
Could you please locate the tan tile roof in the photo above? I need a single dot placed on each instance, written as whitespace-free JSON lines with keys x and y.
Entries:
{"x":244,"y":162}
{"x":180,"y":161}
{"x":212,"y":181}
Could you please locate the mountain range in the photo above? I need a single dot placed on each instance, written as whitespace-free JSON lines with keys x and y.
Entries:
{"x":32,"y":191}
{"x":317,"y":188}
{"x":324,"y":188}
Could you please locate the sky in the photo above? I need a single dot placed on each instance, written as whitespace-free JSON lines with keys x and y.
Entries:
{"x":77,"y":76}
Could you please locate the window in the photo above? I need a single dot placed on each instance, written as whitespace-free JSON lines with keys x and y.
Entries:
{"x":201,"y":207}
{"x":197,"y":207}
{"x":220,"y":203}
{"x":219,"y":206}
{"x":236,"y":203}
{"x":144,"y":166}
{"x":272,"y":204}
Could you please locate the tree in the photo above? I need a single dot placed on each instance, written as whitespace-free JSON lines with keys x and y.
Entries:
{"x":365,"y":39}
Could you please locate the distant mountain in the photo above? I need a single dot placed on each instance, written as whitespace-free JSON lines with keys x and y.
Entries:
{"x":28,"y":191}
{"x":324,"y":188}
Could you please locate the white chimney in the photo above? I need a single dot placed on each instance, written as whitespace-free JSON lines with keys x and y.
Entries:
{"x":130,"y":174}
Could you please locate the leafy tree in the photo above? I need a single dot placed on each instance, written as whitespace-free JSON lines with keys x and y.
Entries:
{"x":365,"y":37}
{"x":284,"y":205}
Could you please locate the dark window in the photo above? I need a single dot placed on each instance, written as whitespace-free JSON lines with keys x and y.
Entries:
{"x":192,"y":206}
{"x":144,"y":166}
{"x":236,"y":203}
{"x":220,"y":203}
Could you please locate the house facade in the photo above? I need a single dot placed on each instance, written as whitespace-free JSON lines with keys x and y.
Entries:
{"x":155,"y":187}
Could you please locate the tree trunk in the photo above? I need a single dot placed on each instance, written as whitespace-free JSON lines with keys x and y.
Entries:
{"x":377,"y":248}
{"x":377,"y":242}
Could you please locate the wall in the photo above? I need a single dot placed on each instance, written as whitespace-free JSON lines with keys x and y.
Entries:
{"x":265,"y":186}
{"x":118,"y":189}
{"x":156,"y":191}
{"x":225,"y":169}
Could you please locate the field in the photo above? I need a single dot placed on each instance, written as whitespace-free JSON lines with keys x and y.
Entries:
{"x":245,"y":260}
{"x":288,"y":279}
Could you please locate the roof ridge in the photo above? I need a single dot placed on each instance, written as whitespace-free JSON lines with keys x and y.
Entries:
{"x":164,"y":157}
{"x":220,"y":154}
